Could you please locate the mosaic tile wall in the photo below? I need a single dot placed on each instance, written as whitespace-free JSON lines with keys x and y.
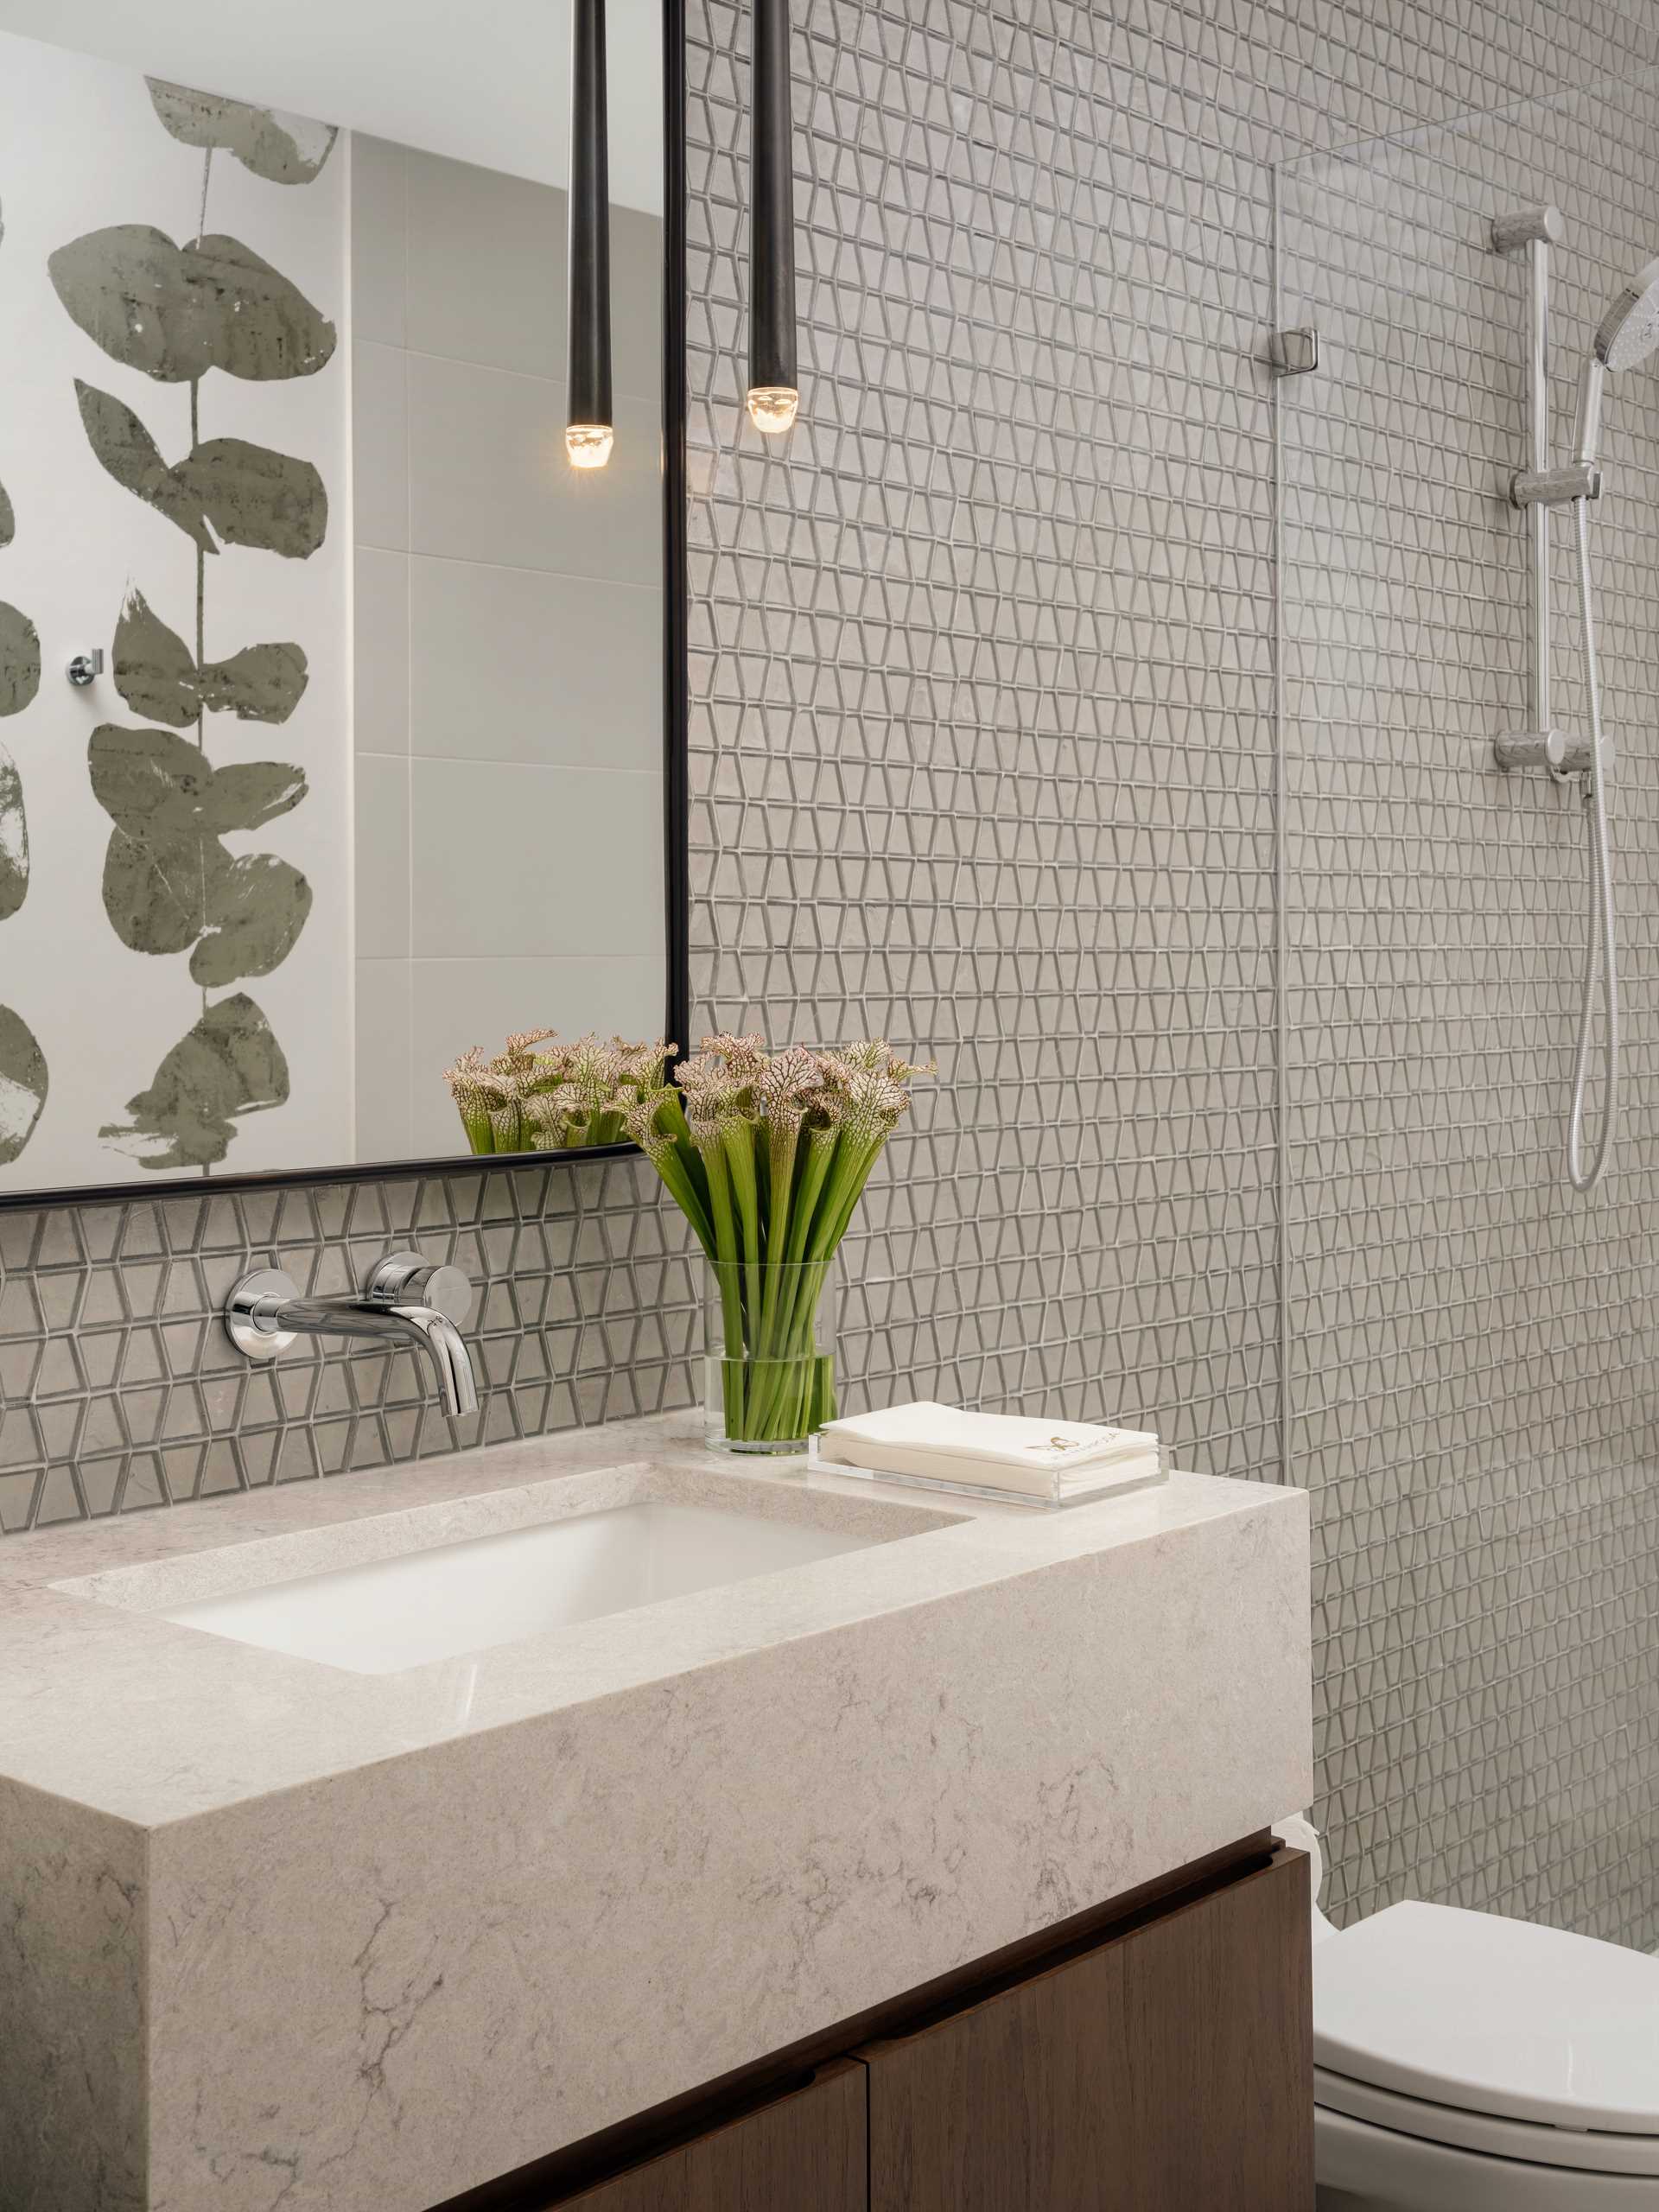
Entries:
{"x":983,"y":680}
{"x":1471,"y":1345}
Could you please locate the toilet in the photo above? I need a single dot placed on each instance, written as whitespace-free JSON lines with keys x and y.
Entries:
{"x":1465,"y":2062}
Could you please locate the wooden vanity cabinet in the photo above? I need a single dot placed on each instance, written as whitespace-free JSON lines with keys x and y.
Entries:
{"x":1153,"y":2055}
{"x":1165,"y":2069}
{"x":805,"y":2151}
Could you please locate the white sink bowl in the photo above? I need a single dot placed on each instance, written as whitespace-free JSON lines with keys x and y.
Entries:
{"x":392,"y":1613}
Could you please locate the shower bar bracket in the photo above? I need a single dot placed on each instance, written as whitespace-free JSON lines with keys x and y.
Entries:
{"x":1565,"y":757}
{"x":1534,"y":230}
{"x":1555,"y":487}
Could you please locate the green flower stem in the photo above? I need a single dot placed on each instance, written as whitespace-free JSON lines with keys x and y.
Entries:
{"x":672,"y":1169}
{"x":781,"y":1146}
{"x":737,"y":1138}
{"x":844,"y":1186}
{"x":726,"y":1269}
{"x":480,"y":1135}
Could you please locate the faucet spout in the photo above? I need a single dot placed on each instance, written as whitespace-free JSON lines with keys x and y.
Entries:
{"x":447,"y":1348}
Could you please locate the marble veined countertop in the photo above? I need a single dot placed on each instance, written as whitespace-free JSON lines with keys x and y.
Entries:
{"x":284,"y":1935}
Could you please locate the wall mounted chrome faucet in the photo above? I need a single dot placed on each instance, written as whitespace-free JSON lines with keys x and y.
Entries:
{"x":407,"y":1301}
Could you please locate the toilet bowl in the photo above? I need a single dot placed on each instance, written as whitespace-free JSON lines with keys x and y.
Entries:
{"x":1465,"y":2062}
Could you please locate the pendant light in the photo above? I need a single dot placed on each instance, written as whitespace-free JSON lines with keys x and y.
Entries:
{"x":774,"y":381}
{"x":590,"y":427}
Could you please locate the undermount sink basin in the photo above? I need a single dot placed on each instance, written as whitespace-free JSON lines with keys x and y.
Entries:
{"x":393,"y":1613}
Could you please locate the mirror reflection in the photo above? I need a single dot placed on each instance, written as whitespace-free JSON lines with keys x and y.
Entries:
{"x":332,"y":693}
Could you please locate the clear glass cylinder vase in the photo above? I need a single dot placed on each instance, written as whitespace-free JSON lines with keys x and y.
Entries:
{"x":769,"y":1362}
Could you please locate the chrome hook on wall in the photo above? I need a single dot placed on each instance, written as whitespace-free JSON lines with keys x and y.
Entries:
{"x":85,"y":668}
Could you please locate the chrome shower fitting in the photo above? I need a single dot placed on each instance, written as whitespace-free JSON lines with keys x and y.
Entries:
{"x":1628,"y":333}
{"x":1534,"y":231}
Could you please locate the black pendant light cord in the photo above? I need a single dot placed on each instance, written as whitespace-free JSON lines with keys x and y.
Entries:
{"x":590,"y":403}
{"x":773,"y":363}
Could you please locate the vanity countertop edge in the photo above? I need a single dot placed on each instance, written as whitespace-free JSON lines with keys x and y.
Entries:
{"x":382,"y":1939}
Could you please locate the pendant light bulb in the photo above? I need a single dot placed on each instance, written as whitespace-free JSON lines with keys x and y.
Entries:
{"x":590,"y":432}
{"x":772,"y":407}
{"x":774,"y":381}
{"x":589,"y":444}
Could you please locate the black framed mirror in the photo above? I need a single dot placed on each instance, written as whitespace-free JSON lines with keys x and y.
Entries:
{"x":342,"y":713}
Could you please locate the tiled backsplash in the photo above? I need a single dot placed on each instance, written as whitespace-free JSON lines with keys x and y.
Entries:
{"x":121,"y":1390}
{"x":983,"y":758}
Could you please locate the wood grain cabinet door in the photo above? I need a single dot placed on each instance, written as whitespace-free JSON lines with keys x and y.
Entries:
{"x":803,"y":2152}
{"x":1169,"y":2069}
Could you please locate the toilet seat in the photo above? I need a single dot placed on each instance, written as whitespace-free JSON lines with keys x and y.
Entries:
{"x":1496,"y":2037}
{"x":1580,"y":2150}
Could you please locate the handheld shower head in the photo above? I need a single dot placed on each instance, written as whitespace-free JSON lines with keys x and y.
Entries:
{"x":1630,"y":329}
{"x":1627,"y":335}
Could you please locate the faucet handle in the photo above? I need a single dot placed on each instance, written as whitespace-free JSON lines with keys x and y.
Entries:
{"x":407,"y":1279}
{"x":251,"y":1313}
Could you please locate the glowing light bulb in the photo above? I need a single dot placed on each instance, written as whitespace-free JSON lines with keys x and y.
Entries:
{"x":589,"y":444}
{"x":772,"y":407}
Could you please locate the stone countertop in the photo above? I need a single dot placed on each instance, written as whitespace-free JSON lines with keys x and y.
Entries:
{"x":280,"y":1936}
{"x":115,"y":1708}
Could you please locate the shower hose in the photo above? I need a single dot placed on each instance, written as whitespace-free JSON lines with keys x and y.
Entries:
{"x":1601,"y":948}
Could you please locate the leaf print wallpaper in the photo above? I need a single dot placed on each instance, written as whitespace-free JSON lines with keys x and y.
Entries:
{"x":172,"y":427}
{"x":23,"y":1067}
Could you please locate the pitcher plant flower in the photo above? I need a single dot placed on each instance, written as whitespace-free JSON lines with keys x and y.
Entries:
{"x":767,"y":1155}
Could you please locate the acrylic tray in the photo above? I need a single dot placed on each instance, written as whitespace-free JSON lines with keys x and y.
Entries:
{"x":1046,"y":1500}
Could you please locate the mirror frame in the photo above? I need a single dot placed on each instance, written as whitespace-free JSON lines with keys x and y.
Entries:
{"x":676,"y":825}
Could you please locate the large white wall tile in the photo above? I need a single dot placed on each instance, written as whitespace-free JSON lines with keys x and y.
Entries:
{"x":487,"y":267}
{"x":510,"y":859}
{"x":517,"y":665}
{"x":380,"y":651}
{"x":488,"y":283}
{"x":384,"y":1118}
{"x":379,"y":240}
{"x":383,"y":858}
{"x":380,"y":444}
{"x":490,"y":480}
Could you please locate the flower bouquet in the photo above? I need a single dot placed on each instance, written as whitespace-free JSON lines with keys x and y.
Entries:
{"x":569,"y":1096}
{"x":767,"y":1155}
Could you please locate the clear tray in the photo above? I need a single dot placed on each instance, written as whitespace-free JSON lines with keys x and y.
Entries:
{"x":1045,"y":1500}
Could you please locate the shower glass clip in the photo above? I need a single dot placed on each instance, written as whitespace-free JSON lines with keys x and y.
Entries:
{"x":1294,"y":353}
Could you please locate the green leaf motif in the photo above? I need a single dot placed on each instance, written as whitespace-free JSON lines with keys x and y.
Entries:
{"x":20,"y":660}
{"x":169,"y":882}
{"x":262,"y":683}
{"x":175,"y":312}
{"x":281,"y":148}
{"x":256,"y":906}
{"x":155,"y":673}
{"x":7,"y":519}
{"x":127,"y":451}
{"x":256,"y":497}
{"x":253,"y":496}
{"x":229,"y":1063}
{"x":14,"y":839}
{"x":22,"y":1085}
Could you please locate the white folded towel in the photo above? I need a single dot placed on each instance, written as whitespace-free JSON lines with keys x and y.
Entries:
{"x":992,"y":1451}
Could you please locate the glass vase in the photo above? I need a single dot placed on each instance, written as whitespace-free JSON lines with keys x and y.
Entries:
{"x":769,"y":1355}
